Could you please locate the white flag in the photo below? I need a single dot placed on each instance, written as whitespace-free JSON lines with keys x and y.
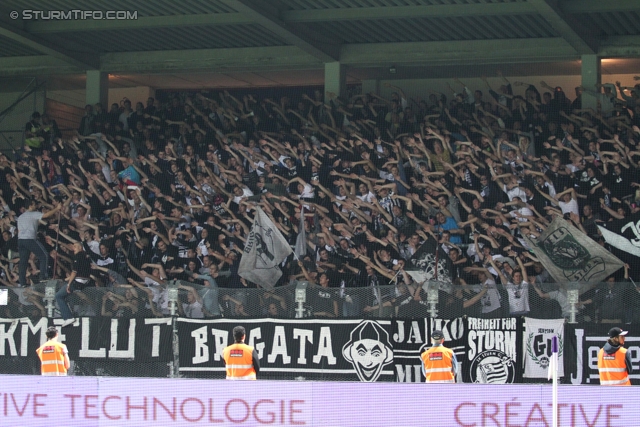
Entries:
{"x":266,"y":247}
{"x":539,"y":359}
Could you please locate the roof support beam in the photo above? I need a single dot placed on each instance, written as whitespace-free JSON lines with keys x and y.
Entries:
{"x":458,"y":52}
{"x":620,"y":47}
{"x":294,"y":16}
{"x":209,"y":60}
{"x":569,"y":30}
{"x":356,"y":55}
{"x":263,"y":16}
{"x":401,"y":12}
{"x":45,"y":27}
{"x":599,"y":6}
{"x":80,"y":60}
{"x":35,"y":66}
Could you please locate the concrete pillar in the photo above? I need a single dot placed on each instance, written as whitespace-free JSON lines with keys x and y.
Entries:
{"x":97,"y":89}
{"x":590,"y":77}
{"x":371,"y":86}
{"x":335,"y":79}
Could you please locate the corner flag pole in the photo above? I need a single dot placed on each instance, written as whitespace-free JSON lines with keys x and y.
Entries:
{"x":553,"y":374}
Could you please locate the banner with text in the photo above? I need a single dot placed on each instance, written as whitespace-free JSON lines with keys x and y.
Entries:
{"x":537,"y":346}
{"x":88,"y":339}
{"x":582,"y":344}
{"x":346,"y":350}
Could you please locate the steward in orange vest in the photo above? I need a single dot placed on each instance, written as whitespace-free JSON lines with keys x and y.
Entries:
{"x":614,"y":361}
{"x":241,"y":360}
{"x":54,"y":356}
{"x":439,"y":363}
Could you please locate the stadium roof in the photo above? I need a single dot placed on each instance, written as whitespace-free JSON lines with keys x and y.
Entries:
{"x":188,"y":43}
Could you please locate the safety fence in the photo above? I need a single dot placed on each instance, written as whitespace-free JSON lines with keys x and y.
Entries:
{"x":377,"y":348}
{"x":211,"y":298}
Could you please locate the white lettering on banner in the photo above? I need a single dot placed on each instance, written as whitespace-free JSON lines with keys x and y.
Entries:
{"x":155,"y":338}
{"x":33,"y":334}
{"x":492,"y":350}
{"x":592,"y":356}
{"x":141,"y":402}
{"x":279,"y":347}
{"x":578,"y":378}
{"x":85,"y":333}
{"x":6,"y":336}
{"x":28,"y":326}
{"x":304,"y":335}
{"x":407,"y":363}
{"x":129,"y":353}
{"x":414,"y":332}
{"x":453,"y":329}
{"x":325,"y":348}
{"x":504,"y":341}
{"x":405,"y":372}
{"x":254,"y":335}
{"x":201,"y":350}
{"x":221,"y":341}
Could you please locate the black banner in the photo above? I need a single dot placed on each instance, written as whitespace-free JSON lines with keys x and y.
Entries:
{"x":583,"y":343}
{"x":117,"y":341}
{"x":344,"y":350}
{"x":493,"y":351}
{"x":488,"y":350}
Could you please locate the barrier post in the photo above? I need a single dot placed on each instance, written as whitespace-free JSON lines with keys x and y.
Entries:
{"x":50,"y":296}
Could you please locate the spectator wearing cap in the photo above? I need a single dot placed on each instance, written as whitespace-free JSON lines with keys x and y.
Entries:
{"x":439,"y":363}
{"x":614,"y":361}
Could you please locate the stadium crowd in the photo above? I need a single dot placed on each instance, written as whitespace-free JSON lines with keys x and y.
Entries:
{"x":162,"y":191}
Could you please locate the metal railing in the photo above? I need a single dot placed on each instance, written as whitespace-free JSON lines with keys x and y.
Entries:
{"x":601,"y":303}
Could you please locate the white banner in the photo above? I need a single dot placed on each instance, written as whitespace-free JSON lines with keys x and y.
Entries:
{"x":537,"y":346}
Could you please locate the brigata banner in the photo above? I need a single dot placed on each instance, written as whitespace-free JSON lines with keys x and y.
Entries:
{"x":89,"y":339}
{"x":355,"y":350}
{"x":583,"y":343}
{"x":345,"y":350}
{"x":141,"y":402}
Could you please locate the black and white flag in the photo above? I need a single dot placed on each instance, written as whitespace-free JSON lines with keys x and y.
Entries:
{"x":429,"y":264}
{"x":266,"y":247}
{"x":623,"y":234}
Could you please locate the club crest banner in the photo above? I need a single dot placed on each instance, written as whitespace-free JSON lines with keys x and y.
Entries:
{"x":537,"y":346}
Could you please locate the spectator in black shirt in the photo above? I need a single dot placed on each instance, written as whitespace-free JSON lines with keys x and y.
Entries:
{"x":76,"y":281}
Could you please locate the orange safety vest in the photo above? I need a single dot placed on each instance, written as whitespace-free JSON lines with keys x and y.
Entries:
{"x":238,"y":358}
{"x":438,"y":364}
{"x":613,"y":367}
{"x":51,"y":355}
